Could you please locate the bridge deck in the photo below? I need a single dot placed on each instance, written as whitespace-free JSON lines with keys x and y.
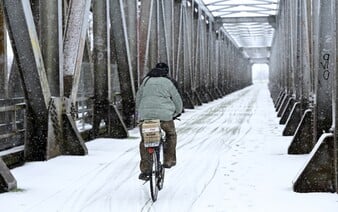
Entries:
{"x":231,"y":157}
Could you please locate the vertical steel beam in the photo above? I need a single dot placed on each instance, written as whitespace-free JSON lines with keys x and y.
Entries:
{"x":213,"y":66}
{"x":52,"y":44}
{"x":198,"y":62}
{"x":302,"y":79}
{"x":210,"y":57}
{"x":186,"y":53}
{"x":153,"y":34}
{"x":168,"y":7}
{"x":220,"y":49}
{"x":323,"y":64}
{"x":145,"y":22}
{"x":131,"y":11}
{"x":161,"y":32}
{"x":203,"y":55}
{"x":227,"y":66}
{"x":3,"y":60}
{"x":187,"y":47}
{"x":101,"y":65}
{"x":194,"y":25}
{"x":48,"y":17}
{"x":335,"y":95}
{"x":306,"y":69}
{"x":291,"y":50}
{"x":195,"y":53}
{"x":179,"y":47}
{"x":298,"y":50}
{"x":123,"y":58}
{"x":192,"y":19}
{"x":76,"y":26}
{"x":225,"y":58}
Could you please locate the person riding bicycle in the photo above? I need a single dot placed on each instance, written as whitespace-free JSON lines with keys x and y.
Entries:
{"x":158,"y":98}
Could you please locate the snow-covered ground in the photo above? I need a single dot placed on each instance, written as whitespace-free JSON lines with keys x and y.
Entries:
{"x":230,"y":157}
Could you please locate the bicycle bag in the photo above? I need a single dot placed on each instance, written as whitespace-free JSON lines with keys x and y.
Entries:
{"x":151,"y":132}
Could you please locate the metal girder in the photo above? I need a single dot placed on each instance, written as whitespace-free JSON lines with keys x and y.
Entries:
{"x":131,"y":12}
{"x":7,"y":180}
{"x":74,"y":44}
{"x":183,"y":51}
{"x":123,"y":58}
{"x":225,"y":3}
{"x":167,"y":10}
{"x":146,"y":16}
{"x":45,"y":136}
{"x":251,"y":16}
{"x":29,"y":59}
{"x":260,"y":54}
{"x":335,"y":99}
{"x":162,"y":34}
{"x":260,"y":60}
{"x":324,"y":63}
{"x":3,"y":58}
{"x":259,"y":19}
{"x":305,"y":67}
{"x":255,"y":48}
{"x":203,"y":8}
{"x":51,"y":40}
{"x":196,"y":48}
{"x":27,"y":50}
{"x":101,"y":64}
{"x":179,"y":44}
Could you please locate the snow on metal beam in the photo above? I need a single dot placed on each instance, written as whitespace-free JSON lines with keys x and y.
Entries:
{"x":74,"y":43}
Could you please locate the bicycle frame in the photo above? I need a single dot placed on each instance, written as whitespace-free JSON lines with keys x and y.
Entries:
{"x":154,"y":137}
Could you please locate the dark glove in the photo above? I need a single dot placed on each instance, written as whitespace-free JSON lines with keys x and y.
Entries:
{"x":176,"y":117}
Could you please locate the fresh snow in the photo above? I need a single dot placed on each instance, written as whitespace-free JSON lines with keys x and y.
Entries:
{"x":231,"y":157}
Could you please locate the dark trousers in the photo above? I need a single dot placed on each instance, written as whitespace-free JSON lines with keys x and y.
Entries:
{"x":169,"y":148}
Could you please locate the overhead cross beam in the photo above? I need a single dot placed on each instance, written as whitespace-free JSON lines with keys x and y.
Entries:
{"x":224,"y":3}
{"x":259,"y":19}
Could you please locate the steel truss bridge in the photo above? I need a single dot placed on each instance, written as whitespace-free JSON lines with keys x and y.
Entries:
{"x":70,"y":69}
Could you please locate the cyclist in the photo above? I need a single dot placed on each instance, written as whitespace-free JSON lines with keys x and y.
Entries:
{"x":158,"y":98}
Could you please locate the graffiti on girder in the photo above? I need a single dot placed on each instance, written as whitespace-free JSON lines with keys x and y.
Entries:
{"x":325,"y":65}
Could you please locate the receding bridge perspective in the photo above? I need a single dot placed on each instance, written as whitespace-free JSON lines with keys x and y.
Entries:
{"x":70,"y":69}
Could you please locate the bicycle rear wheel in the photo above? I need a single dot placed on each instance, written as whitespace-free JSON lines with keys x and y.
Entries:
{"x":154,"y":177}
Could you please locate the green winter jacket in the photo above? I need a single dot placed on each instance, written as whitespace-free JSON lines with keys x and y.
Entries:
{"x":158,"y":98}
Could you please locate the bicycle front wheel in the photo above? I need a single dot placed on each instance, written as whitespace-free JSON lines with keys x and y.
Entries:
{"x":154,"y":178}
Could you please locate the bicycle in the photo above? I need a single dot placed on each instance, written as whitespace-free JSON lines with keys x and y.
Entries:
{"x":154,"y":137}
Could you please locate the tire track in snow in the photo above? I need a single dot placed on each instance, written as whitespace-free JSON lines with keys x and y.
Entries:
{"x":223,"y":110}
{"x":108,"y":185}
{"x":96,"y":187}
{"x":75,"y":193}
{"x":227,"y":124}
